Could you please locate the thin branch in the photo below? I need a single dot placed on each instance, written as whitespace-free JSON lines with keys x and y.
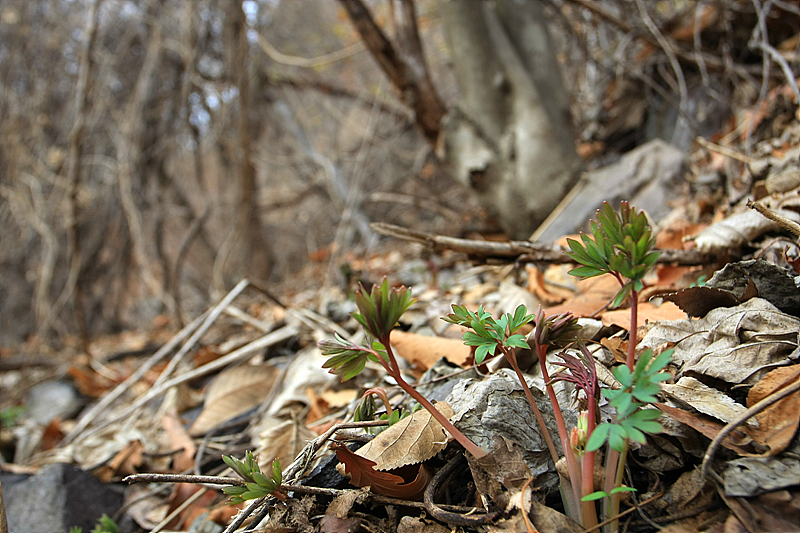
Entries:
{"x":311,"y":62}
{"x":522,"y":250}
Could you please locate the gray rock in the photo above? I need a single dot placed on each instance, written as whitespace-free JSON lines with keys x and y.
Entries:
{"x":52,"y":399}
{"x":59,"y":497}
{"x":648,"y":177}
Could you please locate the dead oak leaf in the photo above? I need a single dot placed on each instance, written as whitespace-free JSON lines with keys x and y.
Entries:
{"x":412,"y":440}
{"x":778,"y":423}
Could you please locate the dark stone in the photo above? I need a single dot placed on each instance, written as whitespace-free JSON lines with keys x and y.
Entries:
{"x":59,"y":497}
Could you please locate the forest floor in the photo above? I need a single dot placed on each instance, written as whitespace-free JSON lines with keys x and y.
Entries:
{"x":248,"y":376}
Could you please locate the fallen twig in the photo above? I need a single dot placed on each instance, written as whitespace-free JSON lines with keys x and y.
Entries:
{"x":522,"y":250}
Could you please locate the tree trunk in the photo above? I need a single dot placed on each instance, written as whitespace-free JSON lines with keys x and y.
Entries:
{"x":257,"y":261}
{"x":511,"y":137}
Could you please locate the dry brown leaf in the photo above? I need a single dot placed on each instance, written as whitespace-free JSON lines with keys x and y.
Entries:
{"x":777,"y":424}
{"x":737,"y":230}
{"x":704,"y":399}
{"x":705,"y":425}
{"x":422,"y":351}
{"x":179,"y":439}
{"x":617,"y":347}
{"x":594,"y":294}
{"x":234,"y":392}
{"x":549,"y":294}
{"x":409,"y":484}
{"x":282,"y":438}
{"x":412,"y":440}
{"x":127,"y":461}
{"x":647,"y":313}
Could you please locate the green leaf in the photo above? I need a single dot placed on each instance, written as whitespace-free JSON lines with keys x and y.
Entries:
{"x":483,"y":351}
{"x":623,"y":488}
{"x":622,"y":295}
{"x":234,"y":490}
{"x":585,"y":272}
{"x":598,"y":437}
{"x":516,"y":341}
{"x":623,"y":375}
{"x":578,"y":253}
{"x":617,"y":438}
{"x":594,"y":496}
{"x":661,"y":361}
{"x":277,"y":473}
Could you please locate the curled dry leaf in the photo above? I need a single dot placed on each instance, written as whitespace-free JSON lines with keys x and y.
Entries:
{"x":706,"y":425}
{"x":703,"y":398}
{"x":737,"y":230}
{"x":412,"y":440}
{"x":409,"y":484}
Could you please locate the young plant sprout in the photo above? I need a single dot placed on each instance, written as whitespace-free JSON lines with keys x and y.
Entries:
{"x":621,"y":244}
{"x":378,"y":314}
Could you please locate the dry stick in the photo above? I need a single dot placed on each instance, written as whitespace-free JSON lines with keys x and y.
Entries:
{"x":275,"y":337}
{"x":741,"y":419}
{"x":109,"y":398}
{"x":522,"y":250}
{"x":302,"y":489}
{"x":781,"y":221}
{"x":206,"y":318}
{"x":212,"y":317}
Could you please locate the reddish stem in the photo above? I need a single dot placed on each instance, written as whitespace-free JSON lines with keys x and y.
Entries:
{"x":632,"y":337}
{"x":393,"y":369}
{"x":587,"y":481}
{"x":572,"y":466}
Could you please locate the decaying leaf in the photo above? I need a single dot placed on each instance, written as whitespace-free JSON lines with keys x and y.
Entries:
{"x":698,"y":301}
{"x":179,"y":439}
{"x":234,"y":392}
{"x":737,"y":230}
{"x":707,"y":426}
{"x":412,"y":440}
{"x":735,"y":344}
{"x":422,"y":351}
{"x":647,"y":313}
{"x":503,"y":467}
{"x":703,"y":398}
{"x":777,"y":425}
{"x":408,"y":484}
{"x":126,"y":461}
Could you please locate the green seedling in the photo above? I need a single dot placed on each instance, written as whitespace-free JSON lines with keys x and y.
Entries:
{"x":257,"y":484}
{"x":105,"y":525}
{"x":379,"y":313}
{"x":621,"y":244}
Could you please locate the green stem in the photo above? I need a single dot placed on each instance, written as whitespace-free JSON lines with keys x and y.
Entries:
{"x":394,"y":370}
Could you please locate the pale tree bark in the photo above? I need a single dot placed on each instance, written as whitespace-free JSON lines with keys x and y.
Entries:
{"x":511,"y":138}
{"x":248,"y":233}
